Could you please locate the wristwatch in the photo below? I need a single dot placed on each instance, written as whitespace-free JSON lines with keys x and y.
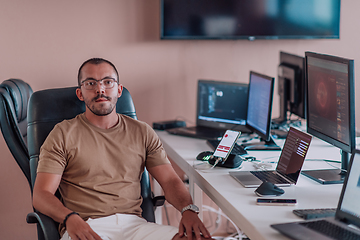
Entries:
{"x":191,"y":207}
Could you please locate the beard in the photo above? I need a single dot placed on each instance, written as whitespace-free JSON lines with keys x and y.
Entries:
{"x":103,"y":108}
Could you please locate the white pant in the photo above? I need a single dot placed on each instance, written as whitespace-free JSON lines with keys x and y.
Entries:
{"x":128,"y":227}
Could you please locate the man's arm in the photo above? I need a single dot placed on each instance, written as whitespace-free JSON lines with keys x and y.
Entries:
{"x":45,"y":201}
{"x":177,"y":194}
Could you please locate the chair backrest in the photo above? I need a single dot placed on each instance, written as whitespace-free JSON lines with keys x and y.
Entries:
{"x":20,"y":93}
{"x":51,"y":106}
{"x":14,"y":98}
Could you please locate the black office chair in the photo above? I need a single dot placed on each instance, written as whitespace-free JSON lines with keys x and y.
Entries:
{"x":46,"y":109}
{"x":14,"y":97}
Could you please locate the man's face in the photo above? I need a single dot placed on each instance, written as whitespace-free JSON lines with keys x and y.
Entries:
{"x":100,"y":101}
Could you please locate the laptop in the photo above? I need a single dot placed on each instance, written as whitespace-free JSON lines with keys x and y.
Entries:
{"x":289,"y":165}
{"x":220,"y":106}
{"x":345,"y":224}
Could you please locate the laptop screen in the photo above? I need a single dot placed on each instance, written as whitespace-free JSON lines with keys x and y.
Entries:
{"x":349,"y":205}
{"x":221,"y":105}
{"x":293,"y":154}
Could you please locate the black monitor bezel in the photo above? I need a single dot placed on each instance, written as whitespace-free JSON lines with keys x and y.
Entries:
{"x":267,"y":135}
{"x":297,"y":63}
{"x":351,"y":98}
{"x":213,"y":124}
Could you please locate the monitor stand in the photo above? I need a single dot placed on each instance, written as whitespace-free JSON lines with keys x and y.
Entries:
{"x":330,"y":176}
{"x":262,"y":145}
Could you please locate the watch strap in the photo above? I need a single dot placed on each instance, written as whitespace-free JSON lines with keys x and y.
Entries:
{"x":191,"y":207}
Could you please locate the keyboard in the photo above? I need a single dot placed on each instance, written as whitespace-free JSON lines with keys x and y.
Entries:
{"x":315,"y":212}
{"x":269,"y":176}
{"x":237,"y":149}
{"x":331,"y":230}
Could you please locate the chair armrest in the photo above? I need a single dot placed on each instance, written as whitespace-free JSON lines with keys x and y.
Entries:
{"x":158,"y":201}
{"x":46,"y":227}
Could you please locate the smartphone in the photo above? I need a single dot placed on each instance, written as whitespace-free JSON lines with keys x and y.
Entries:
{"x":276,"y":201}
{"x":226,"y":144}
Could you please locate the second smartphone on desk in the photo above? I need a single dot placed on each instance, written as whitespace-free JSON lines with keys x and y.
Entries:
{"x":276,"y":201}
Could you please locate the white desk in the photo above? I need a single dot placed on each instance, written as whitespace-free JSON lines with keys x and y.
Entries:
{"x":237,"y":202}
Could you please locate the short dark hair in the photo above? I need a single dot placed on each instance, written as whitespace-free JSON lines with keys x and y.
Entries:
{"x":96,"y":61}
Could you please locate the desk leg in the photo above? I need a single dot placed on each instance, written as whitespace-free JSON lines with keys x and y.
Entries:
{"x":197,"y":195}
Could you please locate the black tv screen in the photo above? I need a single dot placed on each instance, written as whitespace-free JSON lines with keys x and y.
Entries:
{"x":249,"y":19}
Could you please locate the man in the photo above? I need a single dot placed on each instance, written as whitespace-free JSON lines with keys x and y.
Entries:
{"x":96,"y":160}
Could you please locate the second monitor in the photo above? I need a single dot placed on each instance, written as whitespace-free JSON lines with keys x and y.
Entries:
{"x":260,"y":99}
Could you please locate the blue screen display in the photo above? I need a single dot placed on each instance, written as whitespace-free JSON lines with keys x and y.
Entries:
{"x":254,"y":19}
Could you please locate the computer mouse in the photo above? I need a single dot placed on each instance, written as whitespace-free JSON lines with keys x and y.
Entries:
{"x":204,"y":156}
{"x":268,"y":188}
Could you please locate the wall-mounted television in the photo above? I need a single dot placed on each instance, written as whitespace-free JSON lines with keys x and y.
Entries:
{"x":249,"y":19}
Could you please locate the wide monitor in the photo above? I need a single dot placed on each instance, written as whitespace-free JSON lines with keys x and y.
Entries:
{"x":252,"y":19}
{"x":259,"y":110}
{"x":331,"y":108}
{"x":291,"y":87}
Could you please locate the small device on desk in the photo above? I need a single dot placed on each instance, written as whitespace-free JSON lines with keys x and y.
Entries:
{"x":222,"y":156}
{"x":233,"y":160}
{"x":312,"y":213}
{"x":275,"y":202}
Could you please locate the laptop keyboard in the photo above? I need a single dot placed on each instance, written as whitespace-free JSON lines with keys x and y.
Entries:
{"x":237,"y":149}
{"x":269,"y":176}
{"x":331,"y":230}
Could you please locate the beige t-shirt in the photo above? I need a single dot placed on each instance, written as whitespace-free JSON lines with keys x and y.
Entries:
{"x":101,"y":168}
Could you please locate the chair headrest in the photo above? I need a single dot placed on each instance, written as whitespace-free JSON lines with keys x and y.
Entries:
{"x":51,"y":106}
{"x":20,"y":93}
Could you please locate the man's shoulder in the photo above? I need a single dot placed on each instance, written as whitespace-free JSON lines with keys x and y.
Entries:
{"x":70,"y":123}
{"x":135,"y":123}
{"x":131,"y":120}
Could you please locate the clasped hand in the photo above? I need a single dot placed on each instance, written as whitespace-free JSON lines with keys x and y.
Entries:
{"x":191,"y":224}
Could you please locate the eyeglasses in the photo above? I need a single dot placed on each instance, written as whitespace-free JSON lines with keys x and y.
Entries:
{"x":91,"y":84}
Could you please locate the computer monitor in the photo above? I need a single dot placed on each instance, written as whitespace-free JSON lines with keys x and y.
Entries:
{"x":222,"y":105}
{"x":331,"y":108}
{"x":291,"y":87}
{"x":260,"y":99}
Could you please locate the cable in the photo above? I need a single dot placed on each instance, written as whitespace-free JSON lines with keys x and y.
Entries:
{"x":208,"y":208}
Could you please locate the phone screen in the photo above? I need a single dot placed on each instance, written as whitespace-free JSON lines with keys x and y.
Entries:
{"x":226,"y":144}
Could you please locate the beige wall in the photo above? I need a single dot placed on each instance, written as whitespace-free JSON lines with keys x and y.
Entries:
{"x":44,"y":42}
